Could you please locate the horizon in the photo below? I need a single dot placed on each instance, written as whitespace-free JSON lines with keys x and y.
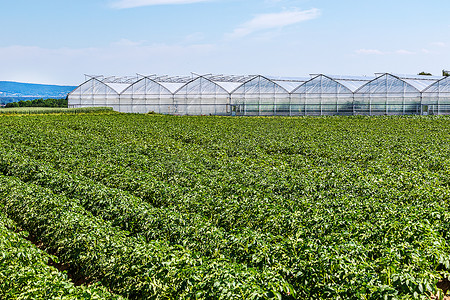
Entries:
{"x":36,"y":83}
{"x":57,"y":42}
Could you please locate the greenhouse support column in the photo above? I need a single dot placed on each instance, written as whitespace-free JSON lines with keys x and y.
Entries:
{"x":259,"y":96}
{"x":438,"y":102}
{"x":91,"y":96}
{"x":275,"y":104}
{"x":160,"y":104}
{"x":370,"y":105}
{"x":120,"y":101}
{"x":245,"y":105}
{"x":337,"y":105}
{"x":404,"y":109}
{"x":174,"y":108}
{"x":353,"y":103}
{"x":305,"y":105}
{"x":186,"y":106}
{"x":259,"y":105}
{"x":290,"y":105}
{"x":421,"y":104}
{"x":320,"y":104}
{"x":200,"y":98}
{"x":386,"y":103}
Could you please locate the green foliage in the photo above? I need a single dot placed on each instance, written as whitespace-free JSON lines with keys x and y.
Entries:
{"x":25,"y":273}
{"x":425,"y":73}
{"x":51,"y":110}
{"x":217,"y":207}
{"x":39,"y":103}
{"x":127,"y":265}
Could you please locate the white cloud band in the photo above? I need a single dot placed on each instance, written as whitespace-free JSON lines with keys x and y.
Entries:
{"x":274,"y":20}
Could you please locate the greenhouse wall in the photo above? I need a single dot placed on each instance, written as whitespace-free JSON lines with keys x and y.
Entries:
{"x":260,"y":96}
{"x":387,"y":95}
{"x":202,"y":96}
{"x":146,"y":95}
{"x":323,"y":95}
{"x":257,"y":95}
{"x":436,"y":98}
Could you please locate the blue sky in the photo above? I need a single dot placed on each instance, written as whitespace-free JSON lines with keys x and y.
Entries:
{"x":51,"y":41}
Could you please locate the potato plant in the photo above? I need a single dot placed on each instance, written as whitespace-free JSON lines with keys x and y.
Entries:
{"x":25,"y":273}
{"x":312,"y":208}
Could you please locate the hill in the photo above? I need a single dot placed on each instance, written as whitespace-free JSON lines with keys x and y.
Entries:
{"x":16,"y":91}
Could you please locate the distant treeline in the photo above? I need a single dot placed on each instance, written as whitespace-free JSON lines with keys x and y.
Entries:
{"x":39,"y":103}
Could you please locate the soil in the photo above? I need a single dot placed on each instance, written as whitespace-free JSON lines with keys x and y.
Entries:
{"x":76,"y":279}
{"x":444,"y":285}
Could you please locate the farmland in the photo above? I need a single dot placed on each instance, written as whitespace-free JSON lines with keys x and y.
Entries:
{"x":150,"y":206}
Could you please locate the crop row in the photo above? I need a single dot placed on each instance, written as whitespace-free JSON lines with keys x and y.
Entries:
{"x":236,"y":193}
{"x":337,"y":207}
{"x":25,"y":273}
{"x":132,"y":214}
{"x":256,"y":250}
{"x":128,"y":266}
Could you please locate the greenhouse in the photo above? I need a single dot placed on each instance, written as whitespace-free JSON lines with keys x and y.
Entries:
{"x":390,"y":94}
{"x":326,"y":95}
{"x":151,"y":93}
{"x":202,"y":96}
{"x":97,"y":92}
{"x":258,"y":95}
{"x":436,"y":98}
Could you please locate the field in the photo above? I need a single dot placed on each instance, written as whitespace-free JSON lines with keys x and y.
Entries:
{"x":168,"y":207}
{"x":52,"y":110}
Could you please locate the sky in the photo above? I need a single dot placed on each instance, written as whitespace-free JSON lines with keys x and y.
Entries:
{"x":59,"y":41}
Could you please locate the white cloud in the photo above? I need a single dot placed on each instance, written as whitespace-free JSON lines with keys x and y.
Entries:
{"x":121,"y":4}
{"x":370,"y":52}
{"x":379,"y":52}
{"x":404,"y":52}
{"x":194,"y":37}
{"x":127,"y":43}
{"x":439,"y":44}
{"x":274,"y":20}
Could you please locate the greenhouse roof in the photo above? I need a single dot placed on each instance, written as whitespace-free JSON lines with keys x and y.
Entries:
{"x":171,"y":86}
{"x":228,"y":85}
{"x":440,"y":86}
{"x":228,"y":82}
{"x":118,"y":87}
{"x":413,"y":76}
{"x":232,"y":83}
{"x":420,"y":82}
{"x":288,"y":83}
{"x":351,"y":82}
{"x":228,"y":78}
{"x":260,"y":85}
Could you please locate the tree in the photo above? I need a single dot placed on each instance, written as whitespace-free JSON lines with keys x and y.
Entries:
{"x":425,"y":73}
{"x":445,"y":73}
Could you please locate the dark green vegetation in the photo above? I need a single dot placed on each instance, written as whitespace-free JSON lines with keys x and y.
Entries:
{"x":155,"y":206}
{"x":53,"y":110}
{"x":25,"y":273}
{"x":39,"y":103}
